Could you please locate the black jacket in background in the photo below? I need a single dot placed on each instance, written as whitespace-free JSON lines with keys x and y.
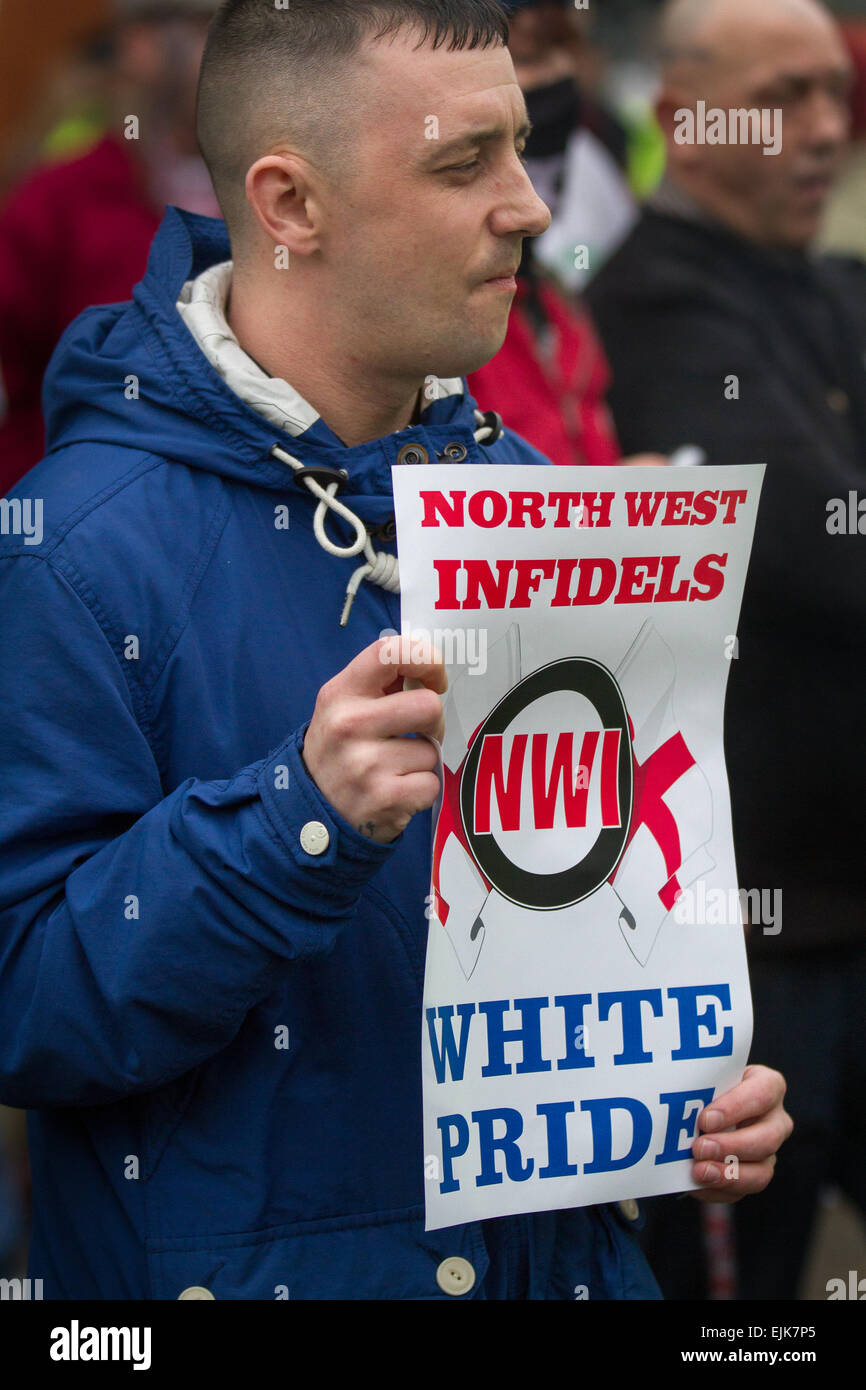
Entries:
{"x":681,"y":308}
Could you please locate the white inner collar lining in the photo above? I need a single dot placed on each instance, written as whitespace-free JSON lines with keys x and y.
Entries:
{"x":201,"y":305}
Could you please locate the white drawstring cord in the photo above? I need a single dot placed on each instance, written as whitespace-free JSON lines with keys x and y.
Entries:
{"x":327,"y":501}
{"x":380,"y":568}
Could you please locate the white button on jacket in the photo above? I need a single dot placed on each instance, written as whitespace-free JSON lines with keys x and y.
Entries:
{"x":314,"y":837}
{"x":455,"y":1275}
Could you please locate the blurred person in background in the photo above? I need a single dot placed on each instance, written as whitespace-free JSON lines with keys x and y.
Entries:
{"x":578,"y":155}
{"x":77,"y":232}
{"x":551,"y":369}
{"x":723,"y":327}
{"x":844,"y":227}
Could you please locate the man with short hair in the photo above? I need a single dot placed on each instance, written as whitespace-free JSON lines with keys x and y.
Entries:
{"x":724,"y":330}
{"x":216,"y":844}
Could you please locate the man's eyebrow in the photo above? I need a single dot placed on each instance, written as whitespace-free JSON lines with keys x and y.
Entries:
{"x":478,"y":137}
{"x":790,"y":77}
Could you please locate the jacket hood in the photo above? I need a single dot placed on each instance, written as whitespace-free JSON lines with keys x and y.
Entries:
{"x":133,"y":375}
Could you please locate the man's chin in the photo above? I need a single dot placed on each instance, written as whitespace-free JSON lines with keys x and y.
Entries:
{"x":473,"y":357}
{"x":798,"y":233}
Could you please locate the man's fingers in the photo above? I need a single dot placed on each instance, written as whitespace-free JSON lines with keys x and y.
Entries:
{"x":759,"y":1092}
{"x":405,"y":712}
{"x":370,"y":755}
{"x":418,"y":791}
{"x":357,"y":746}
{"x":394,"y":658}
{"x":399,"y":757}
{"x":752,"y":1143}
{"x":645,"y":461}
{"x":385,"y":663}
{"x":408,"y":794}
{"x":417,"y":661}
{"x":751,"y":1178}
{"x":730,"y":1162}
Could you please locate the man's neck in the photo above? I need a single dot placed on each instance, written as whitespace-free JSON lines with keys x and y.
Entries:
{"x":674,"y":199}
{"x":331,"y":374}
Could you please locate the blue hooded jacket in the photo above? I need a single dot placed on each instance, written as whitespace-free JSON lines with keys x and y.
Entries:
{"x":162,"y":929}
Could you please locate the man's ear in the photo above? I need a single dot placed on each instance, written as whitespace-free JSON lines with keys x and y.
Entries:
{"x":282,"y":192}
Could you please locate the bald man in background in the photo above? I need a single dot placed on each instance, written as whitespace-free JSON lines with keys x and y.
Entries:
{"x":725,"y":330}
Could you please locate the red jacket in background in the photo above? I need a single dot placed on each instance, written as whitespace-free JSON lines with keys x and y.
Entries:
{"x":560,"y":408}
{"x":71,"y":235}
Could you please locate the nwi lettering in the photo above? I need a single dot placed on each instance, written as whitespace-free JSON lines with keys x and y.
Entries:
{"x":571,"y":777}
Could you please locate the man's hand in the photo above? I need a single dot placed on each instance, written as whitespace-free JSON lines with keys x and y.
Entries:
{"x":355,"y":749}
{"x":762,"y":1126}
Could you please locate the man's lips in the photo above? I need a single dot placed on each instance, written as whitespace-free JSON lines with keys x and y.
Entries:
{"x":814,"y":183}
{"x":506,"y":277}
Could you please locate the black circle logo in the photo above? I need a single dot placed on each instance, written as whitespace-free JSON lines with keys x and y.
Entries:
{"x":563,"y":888}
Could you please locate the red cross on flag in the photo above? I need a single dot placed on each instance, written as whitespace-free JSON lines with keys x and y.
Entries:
{"x":672,"y":810}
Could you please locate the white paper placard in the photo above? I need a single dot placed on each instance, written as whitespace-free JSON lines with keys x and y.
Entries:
{"x":586,"y":988}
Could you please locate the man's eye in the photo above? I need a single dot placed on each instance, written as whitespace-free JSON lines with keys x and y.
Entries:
{"x":475,"y":163}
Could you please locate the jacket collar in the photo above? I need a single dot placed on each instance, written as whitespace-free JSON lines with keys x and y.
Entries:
{"x":187,"y":244}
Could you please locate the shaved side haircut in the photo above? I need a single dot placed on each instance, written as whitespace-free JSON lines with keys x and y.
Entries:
{"x":291,"y":72}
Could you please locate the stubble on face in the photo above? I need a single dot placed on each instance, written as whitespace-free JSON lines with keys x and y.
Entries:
{"x":417,"y":239}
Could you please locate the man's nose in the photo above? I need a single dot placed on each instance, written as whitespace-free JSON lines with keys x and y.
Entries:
{"x":523,"y":211}
{"x":828,"y":121}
